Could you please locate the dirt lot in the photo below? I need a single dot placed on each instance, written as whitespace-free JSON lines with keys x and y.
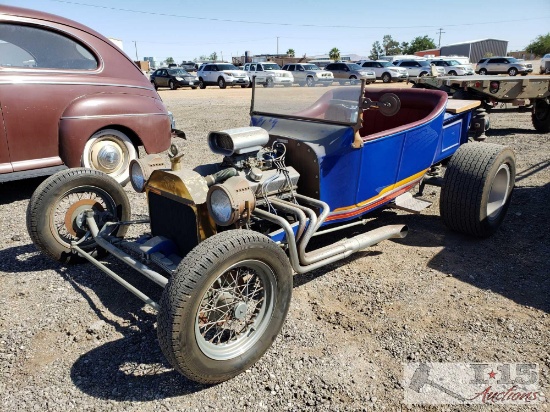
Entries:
{"x":72,"y":339}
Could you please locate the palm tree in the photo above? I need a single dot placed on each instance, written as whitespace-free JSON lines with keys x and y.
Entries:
{"x":334,"y":54}
{"x":290,"y":53}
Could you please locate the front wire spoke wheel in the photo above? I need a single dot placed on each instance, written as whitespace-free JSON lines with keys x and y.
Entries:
{"x":235,"y":310}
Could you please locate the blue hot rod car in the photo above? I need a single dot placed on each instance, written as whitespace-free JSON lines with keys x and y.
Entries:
{"x":224,"y":239}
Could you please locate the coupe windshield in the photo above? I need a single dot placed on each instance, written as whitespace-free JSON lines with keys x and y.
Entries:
{"x":310,"y":67}
{"x":271,"y":66}
{"x":226,"y":67}
{"x":177,"y":72}
{"x":325,"y":104}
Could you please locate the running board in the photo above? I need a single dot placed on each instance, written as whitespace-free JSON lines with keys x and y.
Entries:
{"x":407,"y":202}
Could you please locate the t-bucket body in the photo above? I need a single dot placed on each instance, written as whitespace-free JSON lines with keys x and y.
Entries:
{"x":224,"y":239}
{"x":393,"y":154}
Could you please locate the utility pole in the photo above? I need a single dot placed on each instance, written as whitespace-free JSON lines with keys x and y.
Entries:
{"x":135,"y":45}
{"x":439,"y":31}
{"x":277,"y":45}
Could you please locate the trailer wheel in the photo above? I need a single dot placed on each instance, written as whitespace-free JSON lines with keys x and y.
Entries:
{"x":55,"y":211}
{"x":541,"y":115}
{"x":477,"y":188}
{"x":224,"y":306}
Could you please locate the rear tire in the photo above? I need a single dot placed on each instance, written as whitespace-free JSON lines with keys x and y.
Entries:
{"x":541,"y":115}
{"x":202,"y":85}
{"x":483,"y":72}
{"x":54,"y":213}
{"x":224,"y":306}
{"x":477,"y":188}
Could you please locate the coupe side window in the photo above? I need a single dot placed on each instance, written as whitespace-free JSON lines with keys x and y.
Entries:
{"x":33,"y":47}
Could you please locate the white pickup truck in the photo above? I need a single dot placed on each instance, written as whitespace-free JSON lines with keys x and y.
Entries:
{"x":268,"y":74}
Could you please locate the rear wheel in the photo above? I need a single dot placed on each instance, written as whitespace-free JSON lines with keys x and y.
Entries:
{"x":386,"y":78}
{"x":154,"y":85}
{"x":541,"y":115}
{"x":202,"y":84}
{"x":224,"y":306}
{"x":110,"y":151}
{"x":477,"y":188}
{"x":483,"y":72}
{"x":55,"y":214}
{"x":512,"y":71}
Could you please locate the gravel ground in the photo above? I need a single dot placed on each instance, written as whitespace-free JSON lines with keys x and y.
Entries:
{"x":72,"y":339}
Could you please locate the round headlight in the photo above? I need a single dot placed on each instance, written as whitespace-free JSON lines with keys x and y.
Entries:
{"x":141,"y":169}
{"x":230,"y":201}
{"x":220,"y":206}
{"x":136,"y":176}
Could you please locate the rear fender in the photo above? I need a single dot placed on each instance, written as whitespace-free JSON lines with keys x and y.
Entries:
{"x":144,"y":119}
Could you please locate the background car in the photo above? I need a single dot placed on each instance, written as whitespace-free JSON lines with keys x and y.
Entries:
{"x":80,"y":101}
{"x":269,"y":74}
{"x":503,"y":65}
{"x":417,"y":68}
{"x":545,"y":64}
{"x":351,"y":72}
{"x":385,"y":71}
{"x":173,"y":78}
{"x":188,"y":66}
{"x":307,"y":74}
{"x":222,"y":75}
{"x":453,"y":67}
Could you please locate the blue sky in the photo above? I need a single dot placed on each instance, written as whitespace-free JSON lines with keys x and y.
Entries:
{"x":186,"y":30}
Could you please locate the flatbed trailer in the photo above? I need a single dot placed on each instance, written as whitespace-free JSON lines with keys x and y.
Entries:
{"x":513,"y":93}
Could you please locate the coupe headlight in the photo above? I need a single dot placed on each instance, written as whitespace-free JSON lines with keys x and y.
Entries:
{"x":141,"y":169}
{"x":230,"y":201}
{"x":179,"y":79}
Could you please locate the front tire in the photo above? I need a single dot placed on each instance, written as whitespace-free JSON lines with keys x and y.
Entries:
{"x":477,"y":188}
{"x":352,"y":80}
{"x":269,"y":82}
{"x":483,"y":72}
{"x":110,"y":151}
{"x":172,"y":85}
{"x":221,"y":83}
{"x":310,"y":82}
{"x":512,"y":71}
{"x":452,"y":73}
{"x":55,"y":211}
{"x":224,"y":306}
{"x":386,"y":78}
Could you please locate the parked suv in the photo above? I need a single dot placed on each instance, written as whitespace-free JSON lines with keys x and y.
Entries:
{"x":173,"y":78}
{"x":385,"y":71}
{"x":502,"y":65}
{"x":70,"y":97}
{"x":309,"y":74}
{"x":453,"y":67}
{"x":222,"y":75}
{"x":268,"y":74}
{"x":417,"y":68}
{"x":351,"y":72}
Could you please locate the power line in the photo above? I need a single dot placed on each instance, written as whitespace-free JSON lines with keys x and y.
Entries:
{"x":286,"y":24}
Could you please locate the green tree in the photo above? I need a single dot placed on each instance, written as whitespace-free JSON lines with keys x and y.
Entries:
{"x":405,"y":47}
{"x":420,"y":43}
{"x":290,"y":53}
{"x":213,"y":56}
{"x":334,"y":54}
{"x":169,"y":60}
{"x":376,"y":51}
{"x":540,"y":46}
{"x":391,"y":47}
